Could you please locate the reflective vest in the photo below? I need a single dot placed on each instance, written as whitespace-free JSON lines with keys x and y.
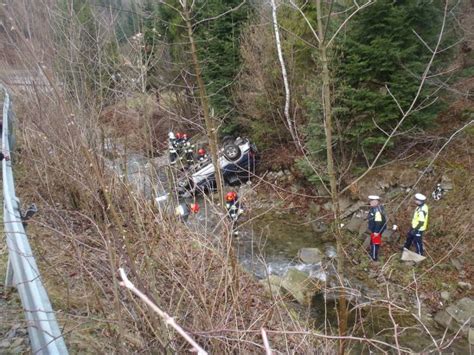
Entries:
{"x":420,"y":215}
{"x":377,"y":219}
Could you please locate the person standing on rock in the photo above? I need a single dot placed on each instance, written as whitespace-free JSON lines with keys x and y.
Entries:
{"x":419,"y":223}
{"x":377,"y":224}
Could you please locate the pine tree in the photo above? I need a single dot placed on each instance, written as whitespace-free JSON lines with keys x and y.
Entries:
{"x":380,"y":49}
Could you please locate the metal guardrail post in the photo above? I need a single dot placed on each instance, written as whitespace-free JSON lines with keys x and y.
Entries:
{"x":22,"y":272}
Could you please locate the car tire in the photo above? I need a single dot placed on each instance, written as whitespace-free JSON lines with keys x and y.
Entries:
{"x":232,"y":152}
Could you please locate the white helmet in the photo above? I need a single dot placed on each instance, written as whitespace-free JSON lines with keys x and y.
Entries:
{"x":420,"y":197}
{"x":171,"y":135}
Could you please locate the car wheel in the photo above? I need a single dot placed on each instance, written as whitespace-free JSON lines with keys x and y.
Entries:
{"x":232,"y":152}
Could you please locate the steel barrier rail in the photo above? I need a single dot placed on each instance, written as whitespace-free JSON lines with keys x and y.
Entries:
{"x":22,"y":271}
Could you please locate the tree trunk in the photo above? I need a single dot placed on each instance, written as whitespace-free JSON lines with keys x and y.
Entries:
{"x":211,"y":130}
{"x":327,"y":115}
{"x":283,"y":71}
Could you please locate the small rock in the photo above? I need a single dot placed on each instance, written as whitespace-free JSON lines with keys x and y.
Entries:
{"x":310,"y":255}
{"x":328,"y":206}
{"x":330,"y":252}
{"x":446,"y":183}
{"x":319,"y":227}
{"x":366,"y":243}
{"x":314,"y":208}
{"x":457,"y":264}
{"x":445,"y":295}
{"x":384,"y":185}
{"x":465,"y":285}
{"x":17,"y":342}
{"x":372,"y":274}
{"x":408,"y":255}
{"x":5,"y":343}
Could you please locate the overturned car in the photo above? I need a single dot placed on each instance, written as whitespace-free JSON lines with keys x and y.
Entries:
{"x":237,"y":161}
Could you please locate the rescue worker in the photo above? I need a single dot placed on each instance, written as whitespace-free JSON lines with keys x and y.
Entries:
{"x":179,"y":145}
{"x":183,"y":210}
{"x":173,"y":154}
{"x":202,"y":155}
{"x":377,"y":223}
{"x":188,"y":150}
{"x":232,"y":205}
{"x":419,"y":223}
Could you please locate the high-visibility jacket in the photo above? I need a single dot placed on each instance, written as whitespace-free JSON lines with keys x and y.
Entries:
{"x":377,"y":219}
{"x":420,"y":218}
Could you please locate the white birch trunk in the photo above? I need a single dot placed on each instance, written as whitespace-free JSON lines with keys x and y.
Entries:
{"x":283,"y":70}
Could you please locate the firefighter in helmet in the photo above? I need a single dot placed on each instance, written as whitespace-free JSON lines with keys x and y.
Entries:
{"x":172,"y":148}
{"x":202,"y":155}
{"x":232,"y":205}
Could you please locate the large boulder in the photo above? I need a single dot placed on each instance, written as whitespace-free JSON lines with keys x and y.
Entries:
{"x":310,"y":255}
{"x":456,"y":315}
{"x":446,"y":183}
{"x":350,"y":210}
{"x":390,"y":236}
{"x":408,"y":177}
{"x":408,"y":255}
{"x":355,"y":224}
{"x":272,"y":285}
{"x":300,"y":286}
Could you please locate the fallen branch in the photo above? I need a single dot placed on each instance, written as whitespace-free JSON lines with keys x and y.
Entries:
{"x":168,"y":320}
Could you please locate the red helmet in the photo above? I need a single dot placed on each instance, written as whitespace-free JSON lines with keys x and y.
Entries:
{"x":231,"y":196}
{"x":179,"y":135}
{"x":201,"y":151}
{"x":194,"y":207}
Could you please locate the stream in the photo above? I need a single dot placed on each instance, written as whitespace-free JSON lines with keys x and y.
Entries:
{"x":268,"y":245}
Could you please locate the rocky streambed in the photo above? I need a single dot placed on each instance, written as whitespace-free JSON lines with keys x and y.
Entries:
{"x":293,"y":257}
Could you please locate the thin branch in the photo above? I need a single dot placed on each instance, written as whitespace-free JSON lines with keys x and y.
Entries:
{"x":368,"y":3}
{"x":221,"y":14}
{"x":395,"y":99}
{"x":306,"y":20}
{"x":168,"y":320}
{"x":268,"y":350}
{"x":422,"y":41}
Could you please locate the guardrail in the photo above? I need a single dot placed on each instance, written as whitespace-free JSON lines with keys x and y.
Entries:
{"x":22,"y":271}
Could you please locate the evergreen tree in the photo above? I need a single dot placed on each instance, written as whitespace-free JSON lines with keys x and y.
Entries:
{"x":380,"y":49}
{"x":219,"y":51}
{"x":217,"y":40}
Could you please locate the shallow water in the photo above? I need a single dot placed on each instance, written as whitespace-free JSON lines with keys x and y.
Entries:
{"x":269,"y":245}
